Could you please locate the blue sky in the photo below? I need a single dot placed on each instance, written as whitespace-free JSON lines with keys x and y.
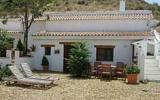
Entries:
{"x":152,"y":1}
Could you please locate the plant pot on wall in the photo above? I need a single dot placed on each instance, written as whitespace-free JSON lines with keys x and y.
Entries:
{"x":45,"y":64}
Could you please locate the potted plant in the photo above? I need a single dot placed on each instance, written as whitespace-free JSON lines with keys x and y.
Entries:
{"x":45,"y":64}
{"x":132,"y":74}
{"x":33,"y":49}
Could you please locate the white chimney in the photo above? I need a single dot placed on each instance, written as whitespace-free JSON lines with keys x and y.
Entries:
{"x":122,"y":5}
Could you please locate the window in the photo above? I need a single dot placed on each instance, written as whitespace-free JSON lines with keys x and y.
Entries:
{"x":105,"y":53}
{"x":47,"y":50}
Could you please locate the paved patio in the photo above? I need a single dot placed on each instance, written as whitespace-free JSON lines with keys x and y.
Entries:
{"x":83,"y":89}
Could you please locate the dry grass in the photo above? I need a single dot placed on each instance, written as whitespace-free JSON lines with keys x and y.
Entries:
{"x":84,"y":89}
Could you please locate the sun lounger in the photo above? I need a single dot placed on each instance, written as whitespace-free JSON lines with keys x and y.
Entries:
{"x":21,"y":79}
{"x":28,"y":73}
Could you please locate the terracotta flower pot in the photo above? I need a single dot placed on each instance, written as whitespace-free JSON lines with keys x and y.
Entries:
{"x":132,"y":78}
{"x":45,"y":68}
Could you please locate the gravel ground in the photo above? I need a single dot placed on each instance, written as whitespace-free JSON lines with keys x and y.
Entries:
{"x":83,"y":89}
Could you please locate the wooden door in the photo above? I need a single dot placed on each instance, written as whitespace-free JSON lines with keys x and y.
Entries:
{"x":67,"y":49}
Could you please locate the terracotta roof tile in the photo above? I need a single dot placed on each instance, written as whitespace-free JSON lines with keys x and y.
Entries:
{"x":95,"y":15}
{"x":15,"y":32}
{"x":128,"y":14}
{"x":93,"y":34}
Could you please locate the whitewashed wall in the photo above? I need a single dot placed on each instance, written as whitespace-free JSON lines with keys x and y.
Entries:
{"x":55,"y":60}
{"x":12,"y":26}
{"x":37,"y":26}
{"x":97,"y":25}
{"x":6,"y":60}
{"x":76,"y":25}
{"x":19,"y":60}
{"x":122,"y":52}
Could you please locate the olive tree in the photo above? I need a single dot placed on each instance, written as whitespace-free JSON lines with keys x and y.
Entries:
{"x":27,"y":10}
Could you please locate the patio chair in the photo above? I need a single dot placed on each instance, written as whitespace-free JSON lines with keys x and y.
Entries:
{"x":28,"y":73}
{"x":120,"y":70}
{"x":94,"y":69}
{"x":106,"y":70}
{"x":21,"y":79}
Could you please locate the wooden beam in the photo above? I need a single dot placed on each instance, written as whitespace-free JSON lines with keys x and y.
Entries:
{"x":104,"y":46}
{"x":47,"y":45}
{"x":67,"y":43}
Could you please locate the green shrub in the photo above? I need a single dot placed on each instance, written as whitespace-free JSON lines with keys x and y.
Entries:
{"x":5,"y":72}
{"x":6,"y":42}
{"x":78,"y":59}
{"x":20,"y":46}
{"x":45,"y":61}
{"x":133,"y":70}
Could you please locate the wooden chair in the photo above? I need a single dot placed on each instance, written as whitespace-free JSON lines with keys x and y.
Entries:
{"x":94,"y":69}
{"x":120,"y":70}
{"x":106,"y":70}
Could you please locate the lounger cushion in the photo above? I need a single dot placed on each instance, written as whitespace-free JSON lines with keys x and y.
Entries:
{"x":28,"y":73}
{"x":16,"y":72}
{"x":26,"y":69}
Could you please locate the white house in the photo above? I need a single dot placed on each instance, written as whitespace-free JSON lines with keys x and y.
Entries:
{"x":112,"y":36}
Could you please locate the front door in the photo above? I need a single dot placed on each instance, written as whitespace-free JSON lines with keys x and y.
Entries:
{"x":67,"y":49}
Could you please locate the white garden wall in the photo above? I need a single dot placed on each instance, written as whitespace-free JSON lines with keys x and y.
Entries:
{"x":19,"y":60}
{"x":6,"y":60}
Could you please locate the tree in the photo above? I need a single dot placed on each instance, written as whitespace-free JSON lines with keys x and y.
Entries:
{"x":5,"y":42}
{"x":78,"y":61}
{"x":27,"y":10}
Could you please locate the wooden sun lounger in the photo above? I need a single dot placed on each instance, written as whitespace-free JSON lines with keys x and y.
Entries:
{"x":28,"y":73}
{"x":21,"y":79}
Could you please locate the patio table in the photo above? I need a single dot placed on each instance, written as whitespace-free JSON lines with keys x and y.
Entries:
{"x":112,"y":69}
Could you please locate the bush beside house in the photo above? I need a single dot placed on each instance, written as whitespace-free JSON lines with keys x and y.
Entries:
{"x":78,"y":59}
{"x":4,"y":72}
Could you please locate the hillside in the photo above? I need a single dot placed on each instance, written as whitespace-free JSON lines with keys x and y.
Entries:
{"x":96,"y":5}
